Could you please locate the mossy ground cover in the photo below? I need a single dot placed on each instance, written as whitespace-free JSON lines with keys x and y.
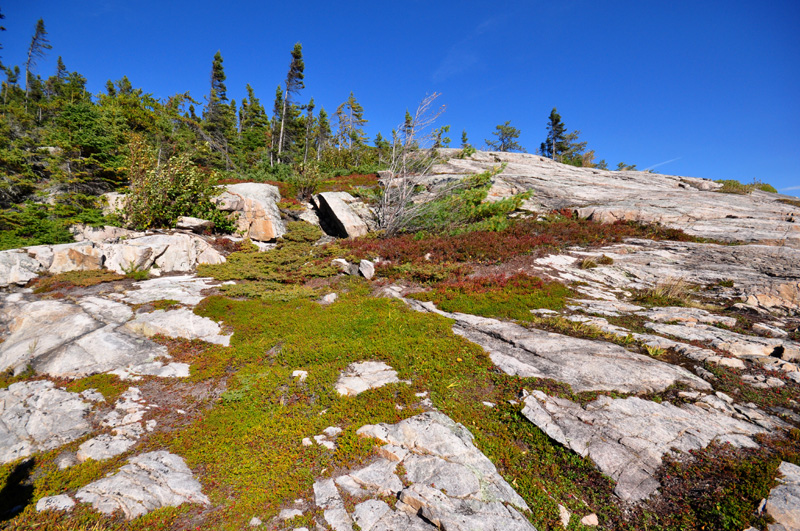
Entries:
{"x":244,"y":443}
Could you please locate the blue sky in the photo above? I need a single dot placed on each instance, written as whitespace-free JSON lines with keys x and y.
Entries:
{"x":700,"y":88}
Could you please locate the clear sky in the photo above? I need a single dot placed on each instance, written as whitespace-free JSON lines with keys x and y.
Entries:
{"x":699,"y":88}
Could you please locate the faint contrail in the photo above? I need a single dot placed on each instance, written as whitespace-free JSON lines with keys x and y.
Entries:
{"x":662,"y":163}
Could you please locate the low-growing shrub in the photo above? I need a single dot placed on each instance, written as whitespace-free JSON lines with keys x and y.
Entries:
{"x":497,"y":296}
{"x":73,"y":279}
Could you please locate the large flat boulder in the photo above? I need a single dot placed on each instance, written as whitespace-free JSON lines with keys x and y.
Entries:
{"x":17,"y":267}
{"x":255,"y":206}
{"x":166,"y":252}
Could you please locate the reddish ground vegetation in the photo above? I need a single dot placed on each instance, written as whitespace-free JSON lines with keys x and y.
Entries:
{"x":523,"y":237}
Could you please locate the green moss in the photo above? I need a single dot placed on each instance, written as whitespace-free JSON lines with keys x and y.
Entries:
{"x":109,"y":385}
{"x":295,"y":260}
{"x":73,"y":279}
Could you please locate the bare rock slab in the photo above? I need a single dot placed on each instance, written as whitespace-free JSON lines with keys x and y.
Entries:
{"x":783,"y":503}
{"x":186,"y":289}
{"x":178,"y":323}
{"x":148,"y":482}
{"x":37,"y":416}
{"x":626,"y":438}
{"x":586,"y":365}
{"x":361,"y":376}
{"x":449,"y":483}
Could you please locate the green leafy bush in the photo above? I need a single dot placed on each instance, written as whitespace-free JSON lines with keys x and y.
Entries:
{"x":161,"y":192}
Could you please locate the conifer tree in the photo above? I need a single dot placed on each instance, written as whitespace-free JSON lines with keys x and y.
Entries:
{"x":506,"y":138}
{"x":554,"y":144}
{"x":464,"y":140}
{"x":39,"y":43}
{"x":294,"y":84}
{"x":323,"y":132}
{"x":277,"y":111}
{"x":309,"y":121}
{"x":350,"y":119}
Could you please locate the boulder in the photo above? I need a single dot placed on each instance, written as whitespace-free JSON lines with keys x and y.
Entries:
{"x":339,"y":212}
{"x":17,"y":267}
{"x":255,"y":206}
{"x":79,"y":256}
{"x":166,"y":252}
{"x":194,"y":224}
{"x":106,"y":233}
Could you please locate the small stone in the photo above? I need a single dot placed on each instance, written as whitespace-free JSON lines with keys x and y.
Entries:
{"x":330,"y":298}
{"x":564,"y":515}
{"x":62,"y":502}
{"x":307,"y":441}
{"x":359,"y":377}
{"x":488,"y":404}
{"x":255,"y":521}
{"x":367,"y":269}
{"x":300,"y":375}
{"x":342,"y":264}
{"x":288,"y":514}
{"x":590,"y":520}
{"x":332,"y":431}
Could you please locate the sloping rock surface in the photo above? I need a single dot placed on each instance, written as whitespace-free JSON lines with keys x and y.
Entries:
{"x":343,"y":214}
{"x":783,"y":503}
{"x":686,"y":203}
{"x":584,"y":364}
{"x":626,"y":438}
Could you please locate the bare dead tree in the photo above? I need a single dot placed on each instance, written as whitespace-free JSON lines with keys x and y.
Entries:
{"x":411,"y":161}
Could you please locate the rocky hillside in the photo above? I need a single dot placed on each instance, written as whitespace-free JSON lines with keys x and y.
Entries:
{"x":623,"y":354}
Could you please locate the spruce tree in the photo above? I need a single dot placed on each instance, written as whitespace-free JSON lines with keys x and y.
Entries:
{"x":36,"y":50}
{"x":294,"y":84}
{"x":464,"y":140}
{"x":554,"y":144}
{"x":323,"y":132}
{"x":309,"y":122}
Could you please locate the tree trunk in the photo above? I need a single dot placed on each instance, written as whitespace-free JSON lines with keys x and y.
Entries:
{"x":283,"y":119}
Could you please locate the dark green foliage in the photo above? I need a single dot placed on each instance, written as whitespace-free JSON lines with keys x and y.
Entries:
{"x":506,"y":139}
{"x":36,"y":224}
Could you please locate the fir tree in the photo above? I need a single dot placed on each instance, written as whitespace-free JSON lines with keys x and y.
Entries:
{"x":464,"y":140}
{"x":323,"y":132}
{"x":294,"y":84}
{"x":555,"y":142}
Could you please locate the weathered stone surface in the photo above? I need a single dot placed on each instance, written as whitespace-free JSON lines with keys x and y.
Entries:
{"x":186,"y":289}
{"x":104,"y":234}
{"x":17,"y":267}
{"x":149,"y":481}
{"x":737,"y":344}
{"x":37,"y":416}
{"x":114,"y":202}
{"x":626,"y":438}
{"x":338,"y":212}
{"x":61,"y":502}
{"x":107,"y":311}
{"x":39,"y":327}
{"x":126,"y":423}
{"x":783,"y":503}
{"x":80,"y":256}
{"x":366,"y":269}
{"x":585,"y":365}
{"x":166,"y":252}
{"x":102,"y":350}
{"x":766,"y":277}
{"x":358,"y":377}
{"x":194,"y":224}
{"x":256,"y":208}
{"x":680,"y":202}
{"x":687,"y":315}
{"x":451,"y":484}
{"x":178,"y":323}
